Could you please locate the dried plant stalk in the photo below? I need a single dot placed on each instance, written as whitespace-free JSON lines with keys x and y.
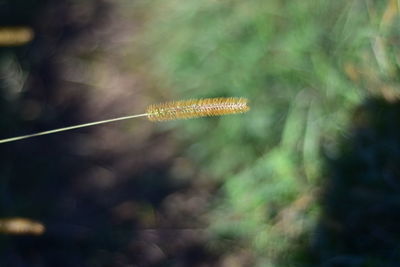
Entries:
{"x":21,"y":226}
{"x":185,"y":109}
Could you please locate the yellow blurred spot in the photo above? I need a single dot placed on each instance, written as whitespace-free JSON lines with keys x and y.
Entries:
{"x":390,"y":13}
{"x":14,"y":36}
{"x":352,"y":72}
{"x":21,"y":226}
{"x":389,"y":93}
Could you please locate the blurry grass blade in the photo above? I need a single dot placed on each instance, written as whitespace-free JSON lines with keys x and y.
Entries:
{"x":15,"y":36}
{"x":390,"y":13}
{"x":379,"y":49}
{"x":295,"y":121}
{"x":311,"y":143}
{"x":21,"y":226}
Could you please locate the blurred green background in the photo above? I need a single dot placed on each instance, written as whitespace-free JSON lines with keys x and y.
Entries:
{"x":308,"y":177}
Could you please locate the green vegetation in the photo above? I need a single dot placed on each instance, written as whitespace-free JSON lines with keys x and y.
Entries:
{"x":304,"y":65}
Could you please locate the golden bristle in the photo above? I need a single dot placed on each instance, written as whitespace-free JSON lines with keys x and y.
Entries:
{"x":195,"y":108}
{"x":21,"y":226}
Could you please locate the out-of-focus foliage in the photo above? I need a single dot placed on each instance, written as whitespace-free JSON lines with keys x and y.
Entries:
{"x":304,"y":65}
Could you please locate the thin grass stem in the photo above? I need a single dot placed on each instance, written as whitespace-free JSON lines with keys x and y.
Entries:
{"x":70,"y":128}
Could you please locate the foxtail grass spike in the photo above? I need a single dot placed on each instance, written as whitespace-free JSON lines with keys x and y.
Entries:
{"x":195,"y":108}
{"x":174,"y":110}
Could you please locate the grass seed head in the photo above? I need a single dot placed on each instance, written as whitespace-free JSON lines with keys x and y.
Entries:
{"x":194,"y":108}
